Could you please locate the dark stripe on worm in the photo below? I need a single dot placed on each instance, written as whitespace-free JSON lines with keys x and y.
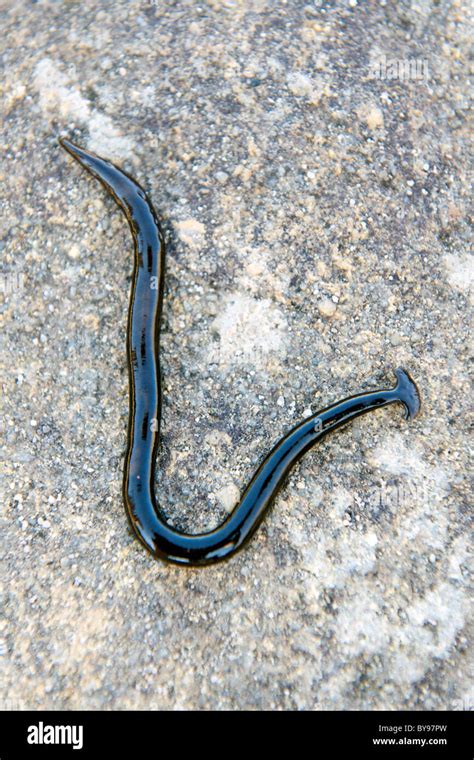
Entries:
{"x":149,"y":524}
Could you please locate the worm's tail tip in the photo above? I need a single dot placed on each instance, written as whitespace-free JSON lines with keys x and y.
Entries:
{"x":74,"y":150}
{"x":408,"y":393}
{"x":64,"y":142}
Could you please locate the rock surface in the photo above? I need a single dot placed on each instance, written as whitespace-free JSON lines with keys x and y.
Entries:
{"x":314,"y":189}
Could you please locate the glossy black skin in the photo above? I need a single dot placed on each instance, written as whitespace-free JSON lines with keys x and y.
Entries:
{"x":150,"y":526}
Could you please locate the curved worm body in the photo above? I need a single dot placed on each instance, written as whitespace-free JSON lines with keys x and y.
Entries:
{"x":150,"y":526}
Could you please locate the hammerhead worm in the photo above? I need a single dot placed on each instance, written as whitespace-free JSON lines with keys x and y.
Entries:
{"x":149,"y":524}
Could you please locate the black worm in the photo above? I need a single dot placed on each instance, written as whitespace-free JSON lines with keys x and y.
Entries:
{"x":149,"y":524}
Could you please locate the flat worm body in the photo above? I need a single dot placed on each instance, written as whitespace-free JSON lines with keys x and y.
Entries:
{"x":149,"y":524}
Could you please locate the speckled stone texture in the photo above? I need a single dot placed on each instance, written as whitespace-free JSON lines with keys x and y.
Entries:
{"x":309,"y":161}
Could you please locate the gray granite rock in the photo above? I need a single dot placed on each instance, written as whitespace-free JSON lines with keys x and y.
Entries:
{"x":309,"y":161}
